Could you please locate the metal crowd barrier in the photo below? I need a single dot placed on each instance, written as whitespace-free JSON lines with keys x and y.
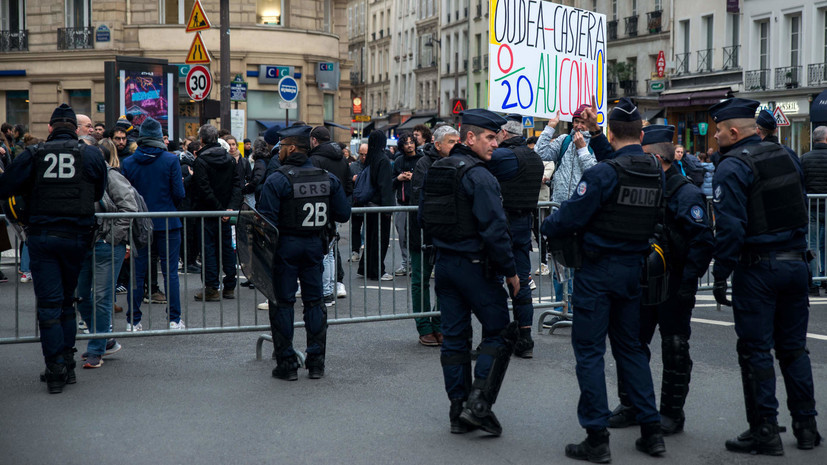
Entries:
{"x":367,"y":301}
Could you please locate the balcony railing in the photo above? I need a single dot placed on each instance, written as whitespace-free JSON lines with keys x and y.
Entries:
{"x":14,"y":41}
{"x":611,"y":28}
{"x":631,"y":26}
{"x":682,"y":63}
{"x":629,"y":87}
{"x":475,"y":63}
{"x":731,"y":57}
{"x":611,"y":90}
{"x":788,"y":77}
{"x":705,"y":60}
{"x":653,"y":21}
{"x":74,"y":38}
{"x":485,"y":61}
{"x":817,"y":75}
{"x":757,"y":79}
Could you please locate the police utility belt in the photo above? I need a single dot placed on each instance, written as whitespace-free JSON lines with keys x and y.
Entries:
{"x":754,"y":258}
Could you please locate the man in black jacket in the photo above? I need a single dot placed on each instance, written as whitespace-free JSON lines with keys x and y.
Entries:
{"x":328,"y":156}
{"x":814,"y":165}
{"x":403,"y":168}
{"x":217,"y":186}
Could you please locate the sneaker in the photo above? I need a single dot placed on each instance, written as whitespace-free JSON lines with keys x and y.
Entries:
{"x":3,"y":278}
{"x":177,"y":325}
{"x":401,"y":271}
{"x":135,"y":327}
{"x":329,"y":300}
{"x":264,"y":305}
{"x":112,"y":346}
{"x":93,"y":361}
{"x":355,"y":257}
{"x":26,"y":277}
{"x":543,"y":270}
{"x":531,"y":284}
{"x":121,"y":289}
{"x":82,"y":328}
{"x":341,"y":292}
{"x":193,"y":269}
{"x":386,"y":277}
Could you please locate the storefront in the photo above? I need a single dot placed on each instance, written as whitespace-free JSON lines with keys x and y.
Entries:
{"x":688,"y":110}
{"x":797,"y":111}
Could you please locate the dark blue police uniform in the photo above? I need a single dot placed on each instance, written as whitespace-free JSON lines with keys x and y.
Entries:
{"x":761,"y":223}
{"x":302,"y":201}
{"x":60,"y":181}
{"x":519,"y":171}
{"x":470,"y":233}
{"x":607,"y":287}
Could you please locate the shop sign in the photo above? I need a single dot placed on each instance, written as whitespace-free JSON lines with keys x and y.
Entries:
{"x":657,"y":86}
{"x":787,"y":106}
{"x":702,"y":128}
{"x":272,"y":74}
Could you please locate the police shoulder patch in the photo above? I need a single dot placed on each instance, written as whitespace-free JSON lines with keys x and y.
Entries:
{"x":581,"y":188}
{"x":717,"y":193}
{"x":697,"y":213}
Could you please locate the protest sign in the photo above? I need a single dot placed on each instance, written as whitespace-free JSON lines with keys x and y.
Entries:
{"x":544,"y":58}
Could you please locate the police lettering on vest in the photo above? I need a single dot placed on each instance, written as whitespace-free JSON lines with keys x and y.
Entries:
{"x":635,"y":205}
{"x":776,"y":196}
{"x":59,"y":187}
{"x":446,"y":209}
{"x":306,"y":212}
{"x":521,"y":192}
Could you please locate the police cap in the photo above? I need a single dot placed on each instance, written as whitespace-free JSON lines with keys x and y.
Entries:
{"x":733,"y":108}
{"x":657,"y":133}
{"x":514,"y":117}
{"x":626,"y":110}
{"x":300,"y":135}
{"x":766,"y":120}
{"x":63,"y":114}
{"x":483,"y":118}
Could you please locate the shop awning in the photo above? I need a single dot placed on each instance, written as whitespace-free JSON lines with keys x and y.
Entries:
{"x":693,"y":97}
{"x":818,"y":109}
{"x":387,"y":127}
{"x":655,"y":113}
{"x":267,"y":123}
{"x":413,"y":121}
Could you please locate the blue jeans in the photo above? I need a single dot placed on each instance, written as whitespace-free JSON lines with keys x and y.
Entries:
{"x":329,"y":272}
{"x":26,"y":262}
{"x":169,"y":268}
{"x":211,"y":251}
{"x":816,"y":243}
{"x":96,"y":274}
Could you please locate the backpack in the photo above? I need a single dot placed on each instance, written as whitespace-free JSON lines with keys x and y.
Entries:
{"x":141,"y":227}
{"x":363,"y":190}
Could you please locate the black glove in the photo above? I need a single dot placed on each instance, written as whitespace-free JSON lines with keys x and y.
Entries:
{"x":719,"y":291}
{"x":686,"y":293}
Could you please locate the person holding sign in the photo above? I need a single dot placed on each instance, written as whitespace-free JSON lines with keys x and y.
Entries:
{"x":615,"y":208}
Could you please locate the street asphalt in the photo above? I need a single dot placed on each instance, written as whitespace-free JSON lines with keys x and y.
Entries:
{"x":204,"y":398}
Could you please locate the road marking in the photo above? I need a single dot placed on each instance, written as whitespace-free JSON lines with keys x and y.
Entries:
{"x":384,"y":288}
{"x":713,"y":322}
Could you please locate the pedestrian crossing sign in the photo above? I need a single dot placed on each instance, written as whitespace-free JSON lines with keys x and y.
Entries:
{"x":198,"y":19}
{"x":198,"y":54}
{"x":780,"y":117}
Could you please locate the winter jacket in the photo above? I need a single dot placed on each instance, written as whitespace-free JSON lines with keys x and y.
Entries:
{"x":404,"y":193}
{"x":709,"y":172}
{"x":814,"y":165}
{"x":381,"y":175}
{"x":328,"y":156}
{"x":430,"y":155}
{"x":570,"y":165}
{"x":117,"y":198}
{"x":245,"y":170}
{"x":217,"y":184}
{"x":156,"y":174}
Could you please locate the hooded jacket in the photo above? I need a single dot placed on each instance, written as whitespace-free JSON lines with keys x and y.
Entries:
{"x":570,"y":165}
{"x":156,"y":175}
{"x":380,"y":170}
{"x":217,"y":185}
{"x":404,"y":190}
{"x":328,"y":156}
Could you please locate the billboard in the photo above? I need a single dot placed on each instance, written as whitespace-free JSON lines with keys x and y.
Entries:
{"x":142,"y":87}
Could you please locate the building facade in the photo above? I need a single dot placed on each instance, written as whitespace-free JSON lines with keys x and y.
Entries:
{"x":54,"y":51}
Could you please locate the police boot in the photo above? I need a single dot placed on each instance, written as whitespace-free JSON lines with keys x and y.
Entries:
{"x":651,"y":439}
{"x":287,"y":368}
{"x":677,"y":369}
{"x":69,"y":361}
{"x":806,"y":433}
{"x":595,"y":448}
{"x":457,"y":426}
{"x":624,"y":415}
{"x":477,"y":414}
{"x":55,"y":377}
{"x":317,"y":341}
{"x":760,"y":439}
{"x":315,"y":366}
{"x":524,"y":347}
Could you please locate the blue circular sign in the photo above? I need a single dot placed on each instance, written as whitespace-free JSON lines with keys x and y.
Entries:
{"x":288,"y":89}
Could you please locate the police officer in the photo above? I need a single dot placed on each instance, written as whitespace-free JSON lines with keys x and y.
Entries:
{"x":615,"y":207}
{"x":767,"y":129}
{"x":461,"y":210}
{"x":761,"y":222}
{"x":303,"y":202}
{"x":60,"y":181}
{"x":519,"y":171}
{"x":687,"y":239}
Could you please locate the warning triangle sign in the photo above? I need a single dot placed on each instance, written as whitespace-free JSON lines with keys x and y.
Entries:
{"x":459,"y":106}
{"x":198,"y":54}
{"x":198,"y":19}
{"x":780,"y":117}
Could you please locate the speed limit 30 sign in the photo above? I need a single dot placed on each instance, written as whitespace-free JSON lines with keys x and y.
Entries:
{"x":199,"y":83}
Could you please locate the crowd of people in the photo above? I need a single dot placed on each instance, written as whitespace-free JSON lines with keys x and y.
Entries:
{"x":629,"y":241}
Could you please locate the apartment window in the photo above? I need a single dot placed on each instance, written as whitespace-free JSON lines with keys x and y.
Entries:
{"x":634,"y":7}
{"x":17,"y":107}
{"x":270,"y":12}
{"x":78,"y":13}
{"x":614,"y":10}
{"x":81,"y":101}
{"x":685,"y":33}
{"x":13,"y":15}
{"x":175,"y":11}
{"x":477,"y":95}
{"x":708,"y":25}
{"x":795,"y":40}
{"x":658,"y":5}
{"x":735,"y":39}
{"x":327,"y":25}
{"x":763,"y":45}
